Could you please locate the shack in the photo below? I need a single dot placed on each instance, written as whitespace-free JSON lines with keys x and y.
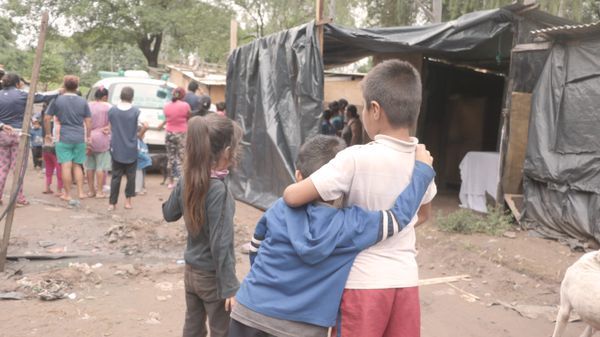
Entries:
{"x":211,"y":83}
{"x":562,"y":165}
{"x":471,"y":68}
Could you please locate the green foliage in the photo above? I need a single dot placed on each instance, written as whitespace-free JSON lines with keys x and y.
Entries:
{"x":466,"y":221}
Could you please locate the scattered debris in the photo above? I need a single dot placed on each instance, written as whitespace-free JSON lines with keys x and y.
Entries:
{"x":45,"y":244}
{"x":154,"y":318}
{"x":12,"y":295}
{"x":119,"y":232}
{"x":51,"y":289}
{"x":164,"y":286}
{"x":163,"y":298}
{"x":548,"y":312}
{"x":510,"y":234}
{"x":82,"y":267}
{"x":41,"y":257}
{"x":57,"y":250}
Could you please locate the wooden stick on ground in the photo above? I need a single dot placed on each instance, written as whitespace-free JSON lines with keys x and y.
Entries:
{"x":23,"y":150}
{"x":440,"y":280}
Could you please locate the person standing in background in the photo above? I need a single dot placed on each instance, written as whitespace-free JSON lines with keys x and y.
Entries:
{"x":98,"y":160}
{"x":176,"y":114}
{"x":12,"y":112}
{"x":123,"y":120}
{"x":72,"y":112}
{"x":191,"y":98}
{"x":353,"y":131}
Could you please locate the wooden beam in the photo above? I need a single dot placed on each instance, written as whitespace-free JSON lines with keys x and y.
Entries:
{"x":233,"y":31}
{"x":319,"y":18}
{"x":23,"y":141}
{"x":526,"y":47}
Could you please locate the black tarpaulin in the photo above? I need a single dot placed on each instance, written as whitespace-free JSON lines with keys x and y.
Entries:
{"x":484,"y":36}
{"x":275,"y":91}
{"x":562,"y":164}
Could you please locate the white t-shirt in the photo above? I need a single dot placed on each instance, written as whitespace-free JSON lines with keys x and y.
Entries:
{"x":373,"y":176}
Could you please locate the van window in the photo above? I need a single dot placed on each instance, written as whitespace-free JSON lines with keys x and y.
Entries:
{"x":144,"y":95}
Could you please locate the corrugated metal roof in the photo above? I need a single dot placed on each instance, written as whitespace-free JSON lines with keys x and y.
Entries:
{"x":570,"y":30}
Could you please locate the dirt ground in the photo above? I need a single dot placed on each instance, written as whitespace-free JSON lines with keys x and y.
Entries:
{"x":125,"y":276}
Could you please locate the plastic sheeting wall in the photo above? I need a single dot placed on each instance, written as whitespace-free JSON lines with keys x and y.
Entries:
{"x":275,"y":91}
{"x":562,"y":165}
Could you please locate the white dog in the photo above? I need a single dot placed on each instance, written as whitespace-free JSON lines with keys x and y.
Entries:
{"x":580,"y":291}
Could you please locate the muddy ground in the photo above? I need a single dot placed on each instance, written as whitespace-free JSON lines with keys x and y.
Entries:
{"x":126,"y":278}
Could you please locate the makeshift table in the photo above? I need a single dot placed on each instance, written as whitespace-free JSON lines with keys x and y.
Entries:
{"x":479,"y":174}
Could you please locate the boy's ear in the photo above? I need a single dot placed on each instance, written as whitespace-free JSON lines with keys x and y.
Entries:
{"x":298,"y":176}
{"x":375,"y":110}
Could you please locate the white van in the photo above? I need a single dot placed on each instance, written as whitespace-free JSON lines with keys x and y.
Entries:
{"x":149,"y":95}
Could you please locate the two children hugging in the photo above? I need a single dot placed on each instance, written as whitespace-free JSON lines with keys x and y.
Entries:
{"x":307,"y":254}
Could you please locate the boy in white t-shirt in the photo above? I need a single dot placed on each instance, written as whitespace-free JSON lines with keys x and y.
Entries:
{"x":381,"y":298}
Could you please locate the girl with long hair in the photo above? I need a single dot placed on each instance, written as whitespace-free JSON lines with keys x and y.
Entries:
{"x":204,"y":201}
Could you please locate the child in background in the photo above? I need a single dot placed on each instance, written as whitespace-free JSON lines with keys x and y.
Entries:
{"x":221,"y":109}
{"x":311,"y":250}
{"x":50,"y":161}
{"x":143,"y":162}
{"x":382,"y":295}
{"x":37,"y":141}
{"x":207,"y":206}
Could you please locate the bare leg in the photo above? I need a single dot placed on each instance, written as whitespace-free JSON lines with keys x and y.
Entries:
{"x":91,"y":187}
{"x":100,"y":182}
{"x":78,"y":173}
{"x":128,"y":203}
{"x":67,"y":176}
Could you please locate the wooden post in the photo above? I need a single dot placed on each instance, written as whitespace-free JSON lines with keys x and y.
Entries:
{"x":437,"y":11}
{"x":233,"y":30}
{"x":319,"y":21}
{"x":23,"y":149}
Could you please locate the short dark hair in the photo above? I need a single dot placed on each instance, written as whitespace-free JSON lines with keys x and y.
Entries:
{"x":71,"y":82}
{"x":220,"y":106}
{"x":352,"y":111}
{"x":127,"y":94}
{"x":396,"y":86}
{"x":343,"y":103}
{"x":316,"y":152}
{"x":193,"y":86}
{"x":327,"y":114}
{"x":10,"y":80}
{"x":334,"y":107}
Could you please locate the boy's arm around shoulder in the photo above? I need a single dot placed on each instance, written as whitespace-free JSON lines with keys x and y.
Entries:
{"x":172,"y":208}
{"x":259,"y":235}
{"x":330,"y":182}
{"x":370,"y":227}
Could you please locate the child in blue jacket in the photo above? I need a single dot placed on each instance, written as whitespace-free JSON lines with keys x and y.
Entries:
{"x":301,"y":256}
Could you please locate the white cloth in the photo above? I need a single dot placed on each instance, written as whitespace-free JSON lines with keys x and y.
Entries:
{"x":373,"y":176}
{"x":479,"y":174}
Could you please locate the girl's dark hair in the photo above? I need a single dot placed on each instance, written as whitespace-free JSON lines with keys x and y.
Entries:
{"x":220,"y":106}
{"x":10,"y":80}
{"x":101,"y":92}
{"x":327,"y":114}
{"x":352,"y":112}
{"x":178,"y":94}
{"x":207,"y":139}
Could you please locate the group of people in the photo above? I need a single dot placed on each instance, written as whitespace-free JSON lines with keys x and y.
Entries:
{"x":74,"y":139}
{"x":316,"y":270}
{"x":341,"y":119}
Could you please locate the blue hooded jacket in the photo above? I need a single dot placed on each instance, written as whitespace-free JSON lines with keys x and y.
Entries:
{"x":301,"y":257}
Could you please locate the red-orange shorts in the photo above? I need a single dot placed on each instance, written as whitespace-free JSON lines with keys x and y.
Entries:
{"x":379,"y":313}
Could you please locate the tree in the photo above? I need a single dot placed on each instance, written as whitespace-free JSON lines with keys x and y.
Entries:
{"x":141,"y":23}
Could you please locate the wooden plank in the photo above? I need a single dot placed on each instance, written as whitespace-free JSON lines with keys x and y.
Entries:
{"x":447,"y":279}
{"x":318,"y":18}
{"x":527,"y":47}
{"x":509,"y":199}
{"x":233,"y":35}
{"x":512,"y":175}
{"x":23,"y":150}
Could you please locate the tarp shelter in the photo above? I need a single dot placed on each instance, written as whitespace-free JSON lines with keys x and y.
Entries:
{"x":562,"y":165}
{"x":275,"y":84}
